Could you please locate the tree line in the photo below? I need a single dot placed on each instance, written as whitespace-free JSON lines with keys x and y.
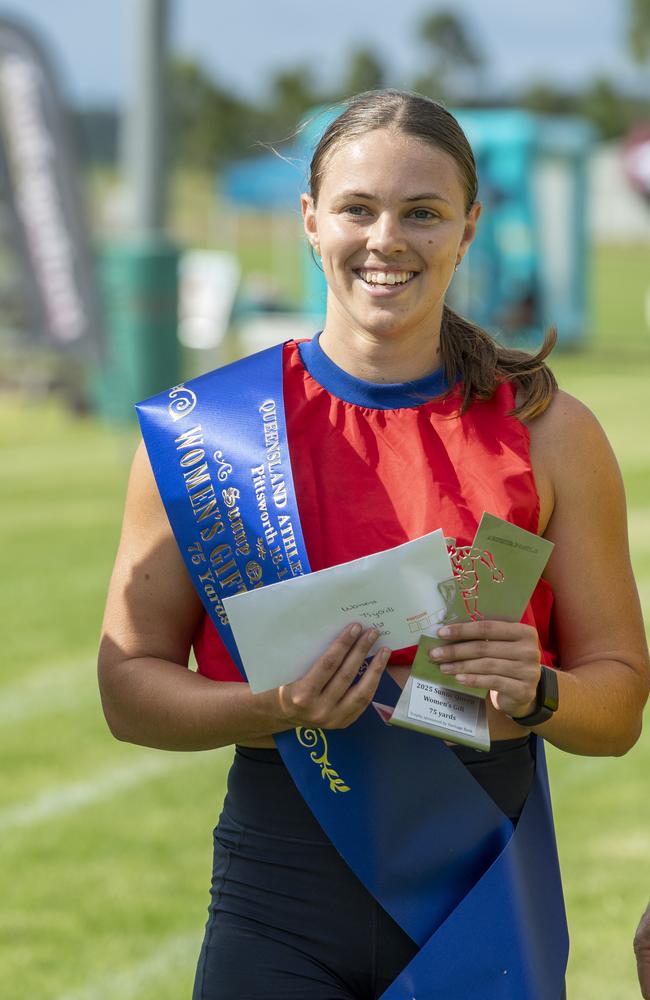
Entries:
{"x":209,"y":124}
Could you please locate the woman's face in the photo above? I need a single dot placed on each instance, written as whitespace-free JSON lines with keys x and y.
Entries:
{"x":390,"y":226}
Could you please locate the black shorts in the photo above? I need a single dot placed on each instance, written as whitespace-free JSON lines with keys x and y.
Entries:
{"x":288,"y":920}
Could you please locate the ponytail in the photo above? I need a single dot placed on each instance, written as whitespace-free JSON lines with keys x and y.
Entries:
{"x":473,"y":356}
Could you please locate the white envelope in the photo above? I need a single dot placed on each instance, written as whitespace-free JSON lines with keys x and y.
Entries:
{"x":282,"y":628}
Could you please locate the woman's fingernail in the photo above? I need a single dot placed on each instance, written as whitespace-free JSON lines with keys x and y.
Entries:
{"x":447,"y":668}
{"x":436,"y":653}
{"x":444,"y":632}
{"x":356,"y":631}
{"x":372,"y":635}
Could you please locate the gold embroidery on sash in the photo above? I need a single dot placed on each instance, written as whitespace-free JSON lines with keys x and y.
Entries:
{"x":316,"y":739}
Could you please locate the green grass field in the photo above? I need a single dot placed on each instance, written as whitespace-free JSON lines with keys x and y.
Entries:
{"x":105,"y":849}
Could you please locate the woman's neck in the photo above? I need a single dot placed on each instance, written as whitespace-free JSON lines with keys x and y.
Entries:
{"x":389,"y":357}
{"x":375,"y":359}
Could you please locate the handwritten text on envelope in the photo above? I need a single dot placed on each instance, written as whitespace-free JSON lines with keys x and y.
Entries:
{"x":281,"y":629}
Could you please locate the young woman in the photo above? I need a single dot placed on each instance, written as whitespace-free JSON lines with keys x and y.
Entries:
{"x":401,"y":417}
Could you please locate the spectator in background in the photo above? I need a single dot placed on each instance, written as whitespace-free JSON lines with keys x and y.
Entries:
{"x":642,"y":952}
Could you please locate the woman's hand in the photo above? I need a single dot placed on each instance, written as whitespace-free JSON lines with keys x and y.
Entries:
{"x":500,"y":656}
{"x":326,"y":698}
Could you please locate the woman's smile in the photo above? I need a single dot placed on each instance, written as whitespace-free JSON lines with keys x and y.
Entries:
{"x":383,"y":282}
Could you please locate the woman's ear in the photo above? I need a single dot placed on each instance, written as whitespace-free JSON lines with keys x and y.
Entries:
{"x":309,"y":220}
{"x":470,"y":230}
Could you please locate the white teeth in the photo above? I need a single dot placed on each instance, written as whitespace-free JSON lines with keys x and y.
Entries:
{"x":386,"y":277}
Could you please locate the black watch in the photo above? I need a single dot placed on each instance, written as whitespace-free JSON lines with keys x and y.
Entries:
{"x":547,"y":700}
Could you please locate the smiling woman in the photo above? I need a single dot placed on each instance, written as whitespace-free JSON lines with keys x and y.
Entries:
{"x":419,"y":156}
{"x":389,"y":244}
{"x":352,"y":859}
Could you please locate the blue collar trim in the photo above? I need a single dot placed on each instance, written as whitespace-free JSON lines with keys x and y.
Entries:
{"x":372,"y":395}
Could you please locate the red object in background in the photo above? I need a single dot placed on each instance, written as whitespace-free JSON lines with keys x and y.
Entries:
{"x":636,"y":159}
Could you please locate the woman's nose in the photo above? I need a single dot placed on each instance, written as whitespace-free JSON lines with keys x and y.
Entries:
{"x":385,"y":235}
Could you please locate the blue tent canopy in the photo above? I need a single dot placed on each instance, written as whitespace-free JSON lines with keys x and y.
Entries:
{"x":267,"y":182}
{"x":276,"y":180}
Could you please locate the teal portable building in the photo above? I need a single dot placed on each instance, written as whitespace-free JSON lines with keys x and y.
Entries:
{"x":527,"y":268}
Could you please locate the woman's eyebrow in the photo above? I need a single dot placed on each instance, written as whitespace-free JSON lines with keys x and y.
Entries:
{"x":426,"y":196}
{"x":356,"y":194}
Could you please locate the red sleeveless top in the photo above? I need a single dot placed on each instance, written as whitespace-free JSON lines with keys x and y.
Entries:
{"x":376,"y":465}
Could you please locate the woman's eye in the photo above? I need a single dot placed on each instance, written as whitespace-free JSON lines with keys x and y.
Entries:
{"x":356,"y":210}
{"x":423,"y":214}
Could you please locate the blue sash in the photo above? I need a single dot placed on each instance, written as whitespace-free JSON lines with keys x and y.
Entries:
{"x":483,"y":901}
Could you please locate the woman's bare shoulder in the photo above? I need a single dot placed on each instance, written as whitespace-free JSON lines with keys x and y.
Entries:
{"x":145,"y":525}
{"x":564,"y":421}
{"x":570,"y":454}
{"x":143,"y":503}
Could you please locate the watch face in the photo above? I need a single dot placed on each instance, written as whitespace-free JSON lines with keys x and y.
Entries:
{"x":549,"y":693}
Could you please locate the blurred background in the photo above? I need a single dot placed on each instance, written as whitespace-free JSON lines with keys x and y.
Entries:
{"x":150,"y":166}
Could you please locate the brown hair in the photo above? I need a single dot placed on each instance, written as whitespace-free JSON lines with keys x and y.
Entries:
{"x":468,"y":352}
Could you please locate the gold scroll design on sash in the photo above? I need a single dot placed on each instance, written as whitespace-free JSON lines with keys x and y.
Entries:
{"x":316,"y":741}
{"x":183,"y":401}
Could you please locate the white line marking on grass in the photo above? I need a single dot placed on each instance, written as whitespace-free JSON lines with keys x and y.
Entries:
{"x":62,"y":799}
{"x":48,"y":690}
{"x":128,"y":983}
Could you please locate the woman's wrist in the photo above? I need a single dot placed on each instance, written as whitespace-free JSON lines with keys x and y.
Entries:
{"x":522,"y":711}
{"x":275,"y":716}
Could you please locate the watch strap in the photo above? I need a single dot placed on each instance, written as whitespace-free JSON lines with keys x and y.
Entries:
{"x":547,"y":700}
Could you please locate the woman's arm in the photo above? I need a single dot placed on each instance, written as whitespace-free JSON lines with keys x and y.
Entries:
{"x":603,"y":652}
{"x":148,"y":694}
{"x":603,"y":656}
